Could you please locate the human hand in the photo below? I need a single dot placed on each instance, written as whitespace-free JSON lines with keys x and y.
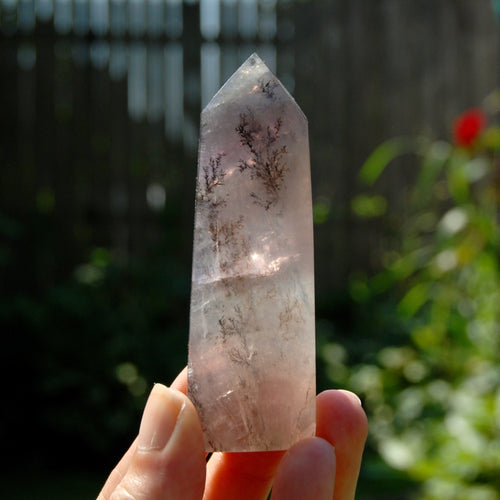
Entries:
{"x":167,"y":459}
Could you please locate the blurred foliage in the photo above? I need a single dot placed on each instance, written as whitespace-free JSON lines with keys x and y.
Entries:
{"x":431,"y":379}
{"x":84,"y":351}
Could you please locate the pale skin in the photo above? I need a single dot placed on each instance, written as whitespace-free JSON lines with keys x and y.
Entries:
{"x":167,"y":459}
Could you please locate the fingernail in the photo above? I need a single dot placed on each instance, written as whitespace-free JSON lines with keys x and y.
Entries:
{"x":159,"y":418}
{"x":353,"y":397}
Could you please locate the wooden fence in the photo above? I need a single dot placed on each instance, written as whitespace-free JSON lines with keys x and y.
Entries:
{"x":100,"y":102}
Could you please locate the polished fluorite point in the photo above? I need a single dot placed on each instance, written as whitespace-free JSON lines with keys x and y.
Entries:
{"x":252,"y":344}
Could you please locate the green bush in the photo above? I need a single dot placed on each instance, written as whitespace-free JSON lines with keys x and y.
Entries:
{"x":432,"y":391}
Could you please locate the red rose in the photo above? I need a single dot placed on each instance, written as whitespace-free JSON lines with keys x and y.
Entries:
{"x":468,"y":126}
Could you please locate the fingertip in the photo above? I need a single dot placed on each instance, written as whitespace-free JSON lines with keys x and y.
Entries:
{"x":180,"y":382}
{"x":319,"y":452}
{"x":307,"y":472}
{"x":159,"y":418}
{"x":351,"y":395}
{"x":343,"y":407}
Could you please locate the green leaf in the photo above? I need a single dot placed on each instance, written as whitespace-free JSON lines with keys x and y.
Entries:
{"x":384,"y":154}
{"x":415,"y":298}
{"x":321,"y":212}
{"x":458,"y":182}
{"x":369,"y":206}
{"x":491,"y":138}
{"x":434,"y":161}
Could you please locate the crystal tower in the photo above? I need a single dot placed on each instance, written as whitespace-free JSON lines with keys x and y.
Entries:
{"x":252,"y":345}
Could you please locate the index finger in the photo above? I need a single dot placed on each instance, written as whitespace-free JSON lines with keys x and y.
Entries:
{"x":342,"y":422}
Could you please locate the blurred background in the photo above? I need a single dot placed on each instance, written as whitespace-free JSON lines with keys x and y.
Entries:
{"x":99,"y":114}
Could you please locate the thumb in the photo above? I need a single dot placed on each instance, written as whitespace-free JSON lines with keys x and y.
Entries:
{"x":169,"y":461}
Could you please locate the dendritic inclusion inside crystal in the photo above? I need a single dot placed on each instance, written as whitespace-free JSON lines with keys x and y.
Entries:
{"x":252,"y":347}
